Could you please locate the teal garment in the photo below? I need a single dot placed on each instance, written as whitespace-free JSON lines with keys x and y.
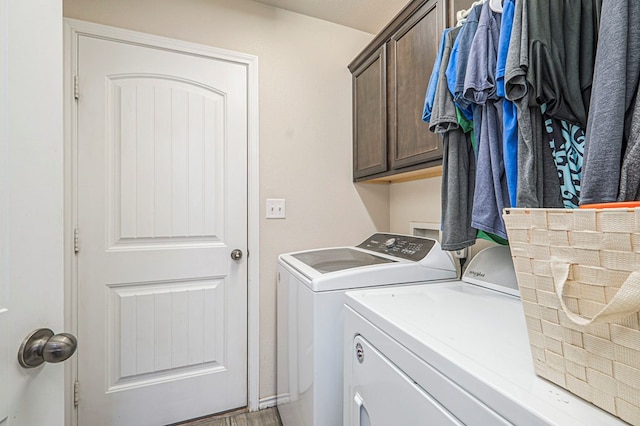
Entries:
{"x":567,"y":145}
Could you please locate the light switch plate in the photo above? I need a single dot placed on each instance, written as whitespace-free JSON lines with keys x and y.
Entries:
{"x":276,"y":208}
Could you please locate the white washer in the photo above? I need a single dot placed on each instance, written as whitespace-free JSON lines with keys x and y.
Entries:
{"x":310,"y":304}
{"x":450,"y":354}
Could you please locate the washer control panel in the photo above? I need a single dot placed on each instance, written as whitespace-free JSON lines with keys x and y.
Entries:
{"x":402,"y":246}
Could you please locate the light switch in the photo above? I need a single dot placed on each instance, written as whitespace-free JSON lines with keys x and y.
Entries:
{"x":276,"y":208}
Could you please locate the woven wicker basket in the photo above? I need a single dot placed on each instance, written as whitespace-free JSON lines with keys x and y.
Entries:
{"x":579,"y":278}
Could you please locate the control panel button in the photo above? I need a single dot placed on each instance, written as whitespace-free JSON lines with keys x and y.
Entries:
{"x":404,"y":246}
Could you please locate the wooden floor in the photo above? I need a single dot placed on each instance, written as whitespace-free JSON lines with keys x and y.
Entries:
{"x":267,"y":417}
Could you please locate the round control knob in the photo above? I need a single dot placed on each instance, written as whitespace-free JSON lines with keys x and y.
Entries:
{"x":390,"y":243}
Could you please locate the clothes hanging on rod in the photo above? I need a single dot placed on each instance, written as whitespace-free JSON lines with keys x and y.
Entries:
{"x":562,"y":51}
{"x":491,"y":193}
{"x":617,"y":70}
{"x":433,"y":80}
{"x":496,"y":5}
{"x":443,"y":117}
{"x":562,"y":44}
{"x":458,"y":163}
{"x":537,"y":180}
{"x":461,"y":15}
{"x":459,"y":58}
{"x":546,"y":110}
{"x":567,"y":147}
{"x":509,"y":110}
{"x":630,"y":171}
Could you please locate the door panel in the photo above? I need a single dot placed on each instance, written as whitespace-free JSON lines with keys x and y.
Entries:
{"x":31,"y":206}
{"x":162,"y":201}
{"x":165,"y":154}
{"x":161,"y":331}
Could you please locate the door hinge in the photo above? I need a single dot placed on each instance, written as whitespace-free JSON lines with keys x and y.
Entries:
{"x":76,"y":88}
{"x":76,"y":247}
{"x":76,"y":397}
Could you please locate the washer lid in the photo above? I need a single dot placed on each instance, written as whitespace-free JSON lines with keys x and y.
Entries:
{"x":338,"y":259}
{"x":383,"y":259}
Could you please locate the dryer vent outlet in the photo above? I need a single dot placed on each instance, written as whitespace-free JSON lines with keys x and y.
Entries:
{"x":462,"y":253}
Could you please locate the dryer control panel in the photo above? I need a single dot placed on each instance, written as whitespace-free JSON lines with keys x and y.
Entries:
{"x":403,"y":246}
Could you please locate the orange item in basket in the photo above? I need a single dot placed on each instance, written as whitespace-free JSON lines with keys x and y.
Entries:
{"x":614,"y":205}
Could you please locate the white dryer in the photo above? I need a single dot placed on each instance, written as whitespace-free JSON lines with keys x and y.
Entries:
{"x":450,"y":354}
{"x":310,"y":302}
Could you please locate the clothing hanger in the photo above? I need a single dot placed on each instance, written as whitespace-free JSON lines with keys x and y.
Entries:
{"x":496,"y":5}
{"x":461,"y":15}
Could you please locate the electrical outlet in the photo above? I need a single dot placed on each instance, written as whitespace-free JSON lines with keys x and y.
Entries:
{"x":276,"y":208}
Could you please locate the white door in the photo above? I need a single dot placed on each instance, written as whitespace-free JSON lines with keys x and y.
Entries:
{"x":31,"y":206}
{"x":161,"y":205}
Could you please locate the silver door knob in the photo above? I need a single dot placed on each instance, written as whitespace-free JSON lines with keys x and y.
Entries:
{"x":43,"y":346}
{"x":236,"y":254}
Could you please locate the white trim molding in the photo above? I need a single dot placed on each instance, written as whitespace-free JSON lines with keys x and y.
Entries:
{"x":75,"y":28}
{"x":4,"y":202}
{"x":268,"y":402}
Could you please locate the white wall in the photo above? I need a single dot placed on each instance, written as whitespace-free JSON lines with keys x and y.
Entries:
{"x":414,"y":201}
{"x":305,"y":123}
{"x":420,"y":201}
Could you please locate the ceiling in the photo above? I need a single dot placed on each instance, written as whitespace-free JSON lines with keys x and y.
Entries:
{"x":365,"y":15}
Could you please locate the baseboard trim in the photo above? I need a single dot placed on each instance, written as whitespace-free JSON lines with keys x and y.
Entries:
{"x":267,"y":402}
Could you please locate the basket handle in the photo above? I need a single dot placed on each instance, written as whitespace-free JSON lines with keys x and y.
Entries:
{"x":625,"y":302}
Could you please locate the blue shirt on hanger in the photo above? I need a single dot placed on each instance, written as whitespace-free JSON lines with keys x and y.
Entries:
{"x":510,"y":112}
{"x":433,"y":80}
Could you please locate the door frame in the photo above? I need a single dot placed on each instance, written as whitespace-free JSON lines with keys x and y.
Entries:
{"x":72,"y":30}
{"x":4,"y":211}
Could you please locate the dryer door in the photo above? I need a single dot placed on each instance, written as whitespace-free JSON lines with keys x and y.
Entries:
{"x":381,"y":394}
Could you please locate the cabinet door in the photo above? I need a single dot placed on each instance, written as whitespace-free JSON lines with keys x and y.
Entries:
{"x":370,"y":116}
{"x":412,"y":52}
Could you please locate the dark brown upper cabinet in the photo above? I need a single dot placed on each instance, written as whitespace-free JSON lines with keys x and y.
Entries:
{"x":370,"y":115}
{"x":390,"y":78}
